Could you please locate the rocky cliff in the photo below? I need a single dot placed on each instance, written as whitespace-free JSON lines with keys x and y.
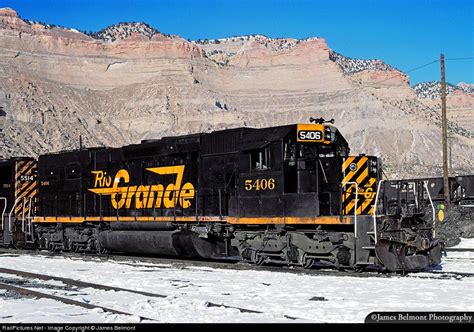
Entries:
{"x":130,"y":82}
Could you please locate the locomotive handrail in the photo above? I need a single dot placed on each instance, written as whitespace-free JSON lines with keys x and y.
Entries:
{"x":10,"y":215}
{"x":23,"y":215}
{"x":4,"y":209}
{"x":23,"y":222}
{"x":415,"y":194}
{"x":355,"y":205}
{"x":375,"y":209}
{"x":28,"y":225}
{"x":432,"y":207}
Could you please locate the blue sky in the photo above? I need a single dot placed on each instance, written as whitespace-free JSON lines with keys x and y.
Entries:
{"x":403,"y":33}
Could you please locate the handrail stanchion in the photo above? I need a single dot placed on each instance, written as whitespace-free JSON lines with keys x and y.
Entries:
{"x":28,"y":225}
{"x":432,"y":207}
{"x":4,"y":210}
{"x":10,"y":229}
{"x":355,"y":205}
{"x":375,"y":209}
{"x":23,"y":215}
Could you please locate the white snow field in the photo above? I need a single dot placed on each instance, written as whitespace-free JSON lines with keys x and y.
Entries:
{"x":278,"y":295}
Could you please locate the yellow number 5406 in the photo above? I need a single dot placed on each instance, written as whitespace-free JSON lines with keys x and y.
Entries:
{"x":260,"y":184}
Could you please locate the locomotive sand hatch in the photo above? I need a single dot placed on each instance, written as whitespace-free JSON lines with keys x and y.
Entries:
{"x":288,"y":195}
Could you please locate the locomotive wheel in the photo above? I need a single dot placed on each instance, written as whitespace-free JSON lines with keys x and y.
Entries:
{"x":51,"y":247}
{"x":260,"y":259}
{"x":359,"y":269}
{"x":257,"y":258}
{"x":99,"y":249}
{"x":308,"y":263}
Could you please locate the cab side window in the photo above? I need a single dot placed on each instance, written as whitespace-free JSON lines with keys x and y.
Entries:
{"x":260,"y":159}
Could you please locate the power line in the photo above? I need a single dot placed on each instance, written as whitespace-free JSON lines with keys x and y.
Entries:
{"x":353,"y":90}
{"x":467,"y":58}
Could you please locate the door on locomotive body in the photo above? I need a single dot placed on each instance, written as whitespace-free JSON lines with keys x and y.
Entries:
{"x":61,"y":178}
{"x":98,"y":170}
{"x":176,"y":177}
{"x":330,"y":183}
{"x":301,"y":178}
{"x":260,"y":181}
{"x":311,"y":173}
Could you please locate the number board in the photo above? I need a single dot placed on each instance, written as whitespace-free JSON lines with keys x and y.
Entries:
{"x":310,"y":133}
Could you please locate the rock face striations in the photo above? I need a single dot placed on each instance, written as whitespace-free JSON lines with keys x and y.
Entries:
{"x":130,"y":82}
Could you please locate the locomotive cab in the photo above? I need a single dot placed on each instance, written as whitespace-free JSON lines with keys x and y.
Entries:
{"x":290,"y":171}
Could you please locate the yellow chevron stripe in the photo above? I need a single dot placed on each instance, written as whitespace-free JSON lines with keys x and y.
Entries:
{"x":20,"y":172}
{"x":365,"y":204}
{"x":349,"y":206}
{"x":19,"y":207}
{"x":28,"y":190}
{"x":347,"y":162}
{"x":348,"y":192}
{"x":23,"y":186}
{"x":352,"y":173}
{"x":363,"y":175}
{"x":370,"y":183}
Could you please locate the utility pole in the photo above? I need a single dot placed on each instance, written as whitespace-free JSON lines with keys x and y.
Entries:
{"x":450,"y":145}
{"x":445,"y":132}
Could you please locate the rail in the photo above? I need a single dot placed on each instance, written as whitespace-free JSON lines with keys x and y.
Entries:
{"x":379,"y":186}
{"x":355,"y":205}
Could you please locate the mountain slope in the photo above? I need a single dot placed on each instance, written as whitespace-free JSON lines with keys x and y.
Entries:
{"x":130,"y":82}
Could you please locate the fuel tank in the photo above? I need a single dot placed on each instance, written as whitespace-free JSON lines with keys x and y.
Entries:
{"x":162,"y":243}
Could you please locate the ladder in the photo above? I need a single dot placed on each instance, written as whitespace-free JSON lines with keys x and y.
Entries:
{"x":373,"y":233}
{"x":3,"y":199}
{"x":26,"y":221}
{"x":25,"y":218}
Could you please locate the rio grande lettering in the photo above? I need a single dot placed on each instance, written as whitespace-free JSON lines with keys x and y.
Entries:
{"x":145,"y":196}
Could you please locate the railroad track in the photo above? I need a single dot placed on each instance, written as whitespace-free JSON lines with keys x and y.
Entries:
{"x":138,"y":261}
{"x":183,"y":263}
{"x":459,"y":249}
{"x":26,"y":280}
{"x":35,"y":285}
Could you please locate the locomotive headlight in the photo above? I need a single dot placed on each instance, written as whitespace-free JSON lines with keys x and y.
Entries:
{"x":327,"y":133}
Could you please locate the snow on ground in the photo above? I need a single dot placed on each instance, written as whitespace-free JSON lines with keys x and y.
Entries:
{"x":459,"y":261}
{"x":188,"y":290}
{"x":465,"y":244}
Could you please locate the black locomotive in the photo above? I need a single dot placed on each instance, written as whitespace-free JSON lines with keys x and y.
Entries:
{"x":284,"y":195}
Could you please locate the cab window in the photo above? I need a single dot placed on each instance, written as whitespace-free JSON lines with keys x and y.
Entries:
{"x":260,"y":159}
